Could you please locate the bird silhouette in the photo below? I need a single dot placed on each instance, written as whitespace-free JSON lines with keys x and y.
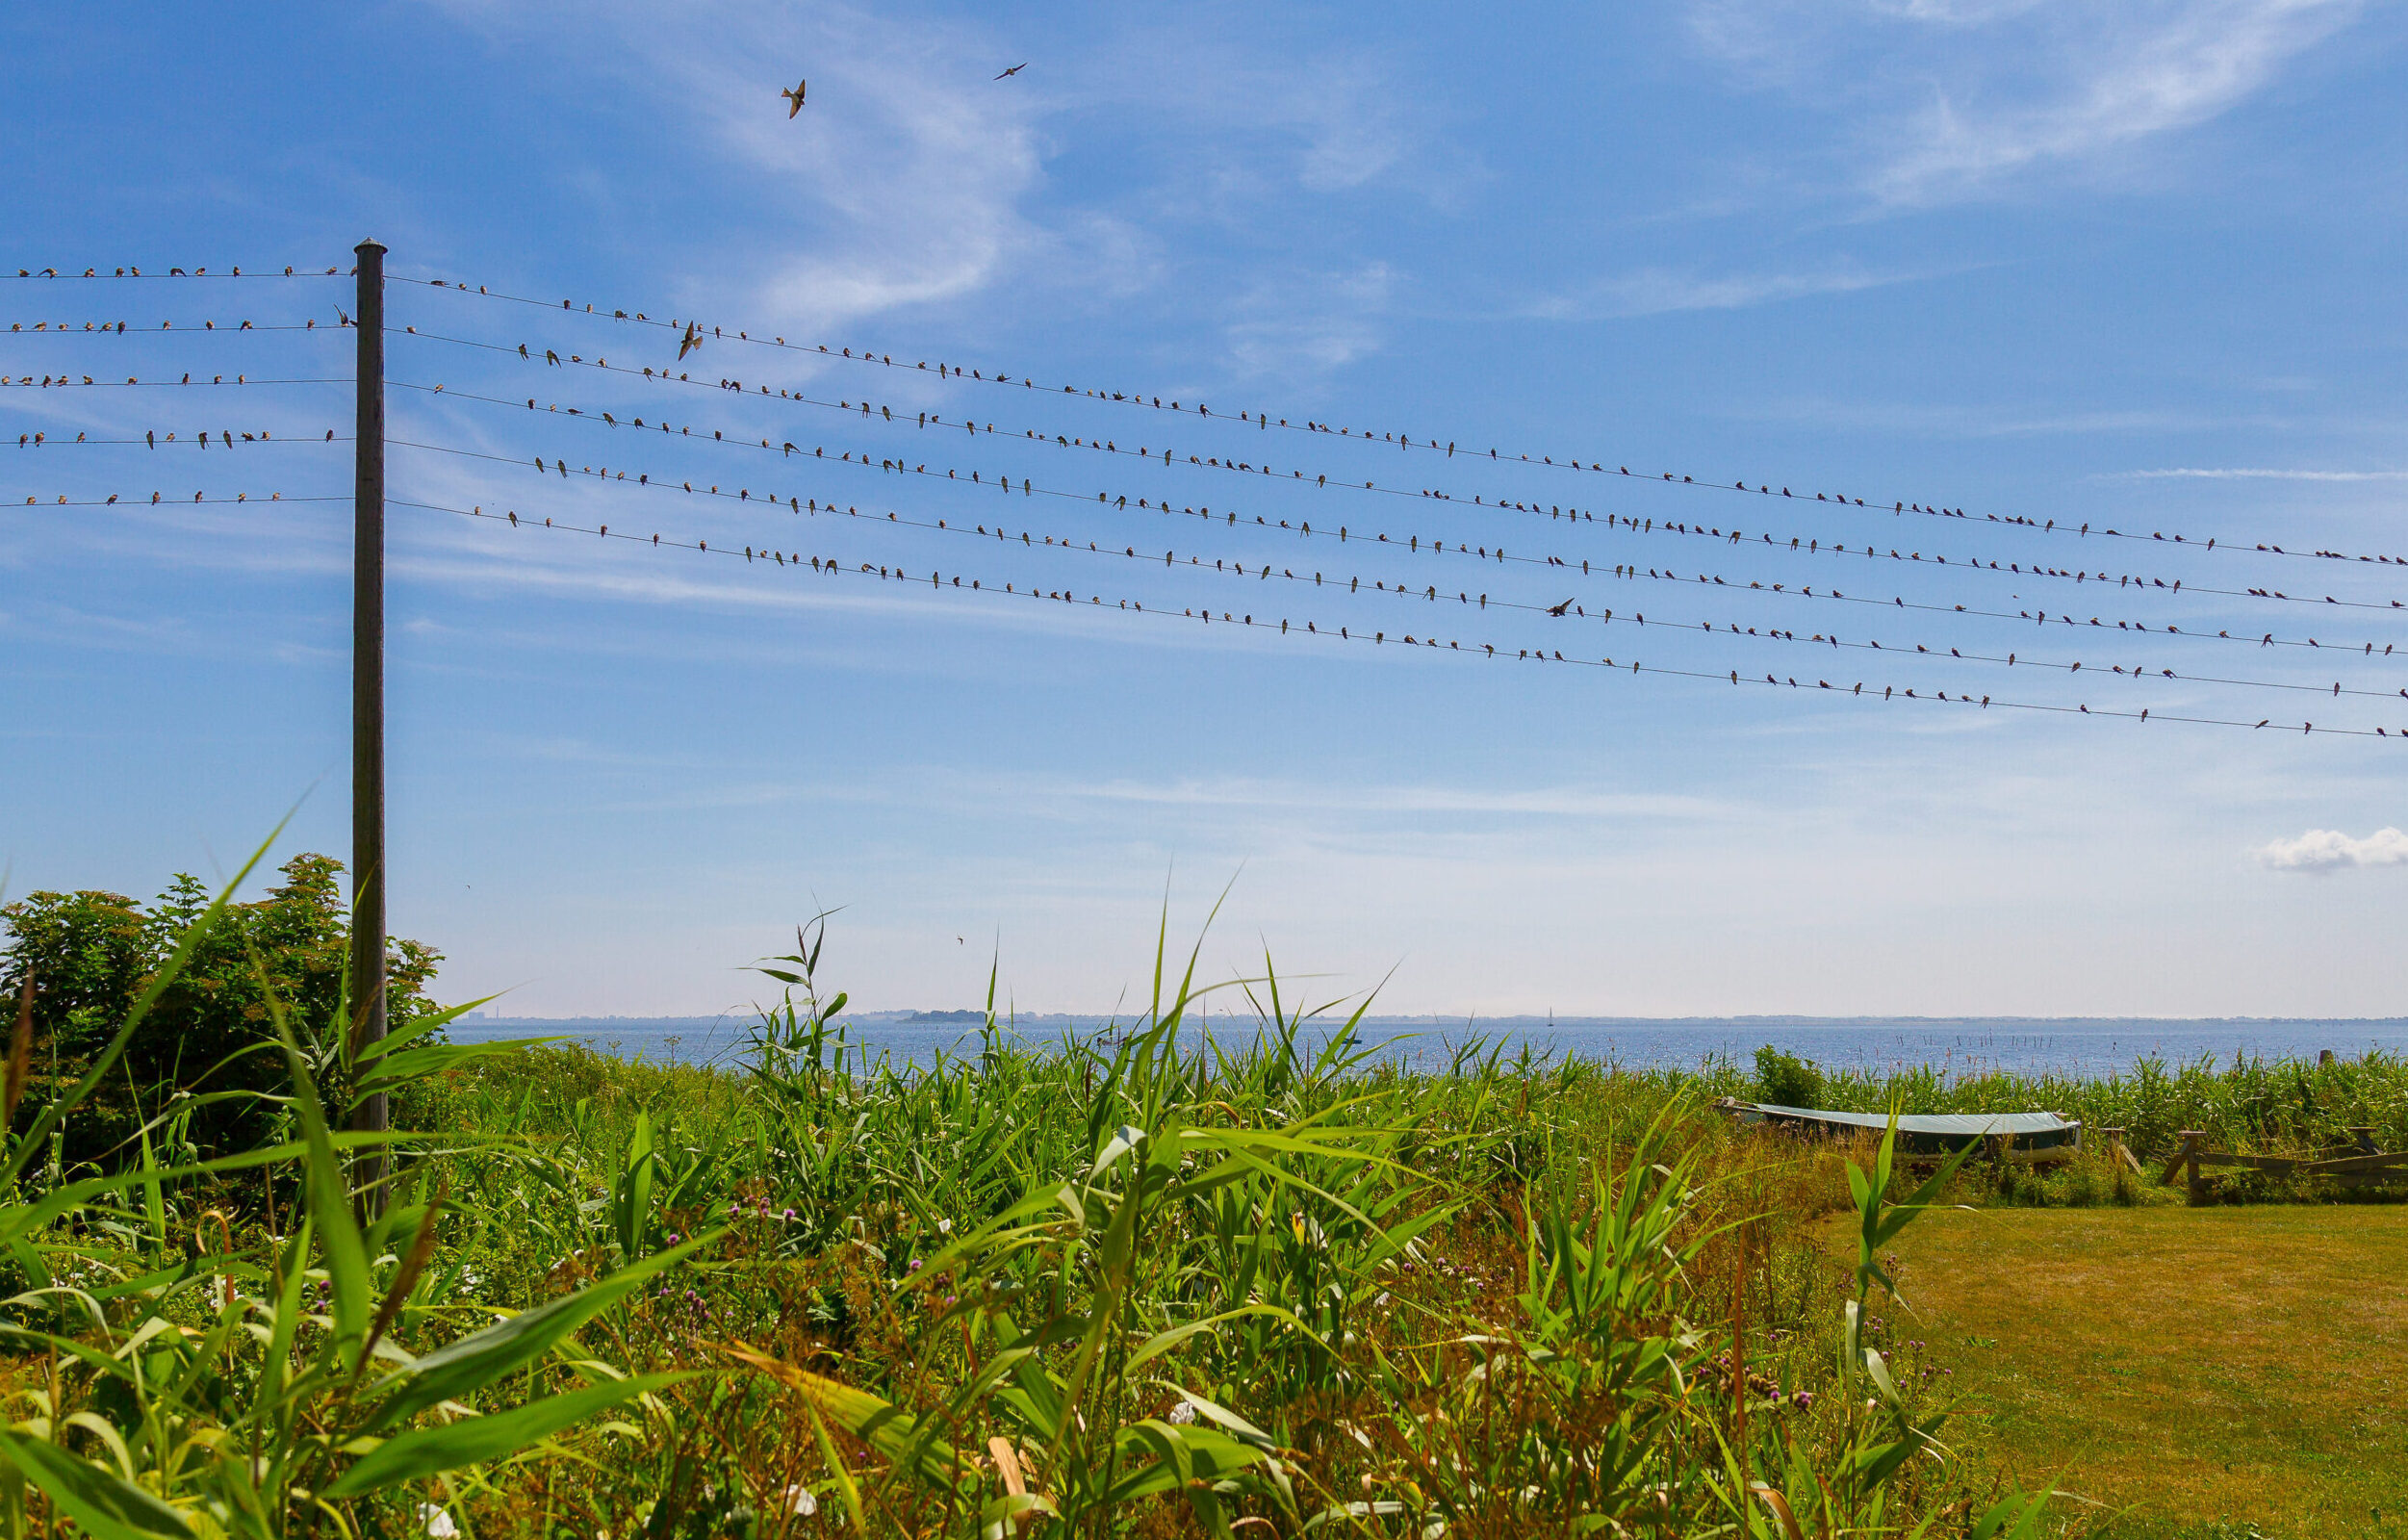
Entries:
{"x":794,"y":98}
{"x":692,"y":339}
{"x":1013,"y":71}
{"x":1557,"y":610}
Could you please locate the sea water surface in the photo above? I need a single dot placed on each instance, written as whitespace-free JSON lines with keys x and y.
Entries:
{"x":2091,"y":1046}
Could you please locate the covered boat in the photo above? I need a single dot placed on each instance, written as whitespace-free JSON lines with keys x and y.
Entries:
{"x":2026,"y":1135}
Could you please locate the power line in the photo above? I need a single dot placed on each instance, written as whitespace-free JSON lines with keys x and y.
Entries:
{"x":1066,"y":545}
{"x":1402,"y":442}
{"x":1798,"y":545}
{"x":36,"y":441}
{"x":167,"y":328}
{"x":1351,"y":582}
{"x":160,"y":499}
{"x":125,"y":271}
{"x":1286,"y":627}
{"x":1321,"y":481}
{"x":1614,"y":522}
{"x":26,"y":382}
{"x":1413,"y":545}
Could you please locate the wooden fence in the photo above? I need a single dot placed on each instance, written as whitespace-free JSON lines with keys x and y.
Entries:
{"x":2366,"y":1164}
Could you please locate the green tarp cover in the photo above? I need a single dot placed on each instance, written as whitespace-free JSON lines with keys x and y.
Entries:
{"x":1957,"y":1124}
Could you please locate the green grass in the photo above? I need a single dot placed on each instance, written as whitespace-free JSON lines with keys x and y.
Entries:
{"x":1104,"y":1287}
{"x":2209,"y":1372}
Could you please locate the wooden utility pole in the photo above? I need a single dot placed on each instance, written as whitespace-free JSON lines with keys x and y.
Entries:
{"x":368,"y":697}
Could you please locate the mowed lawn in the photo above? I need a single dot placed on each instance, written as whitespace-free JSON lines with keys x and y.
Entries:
{"x":2222,"y":1372}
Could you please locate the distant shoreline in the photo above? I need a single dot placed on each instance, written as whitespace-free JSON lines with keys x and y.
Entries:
{"x":1070,"y":1020}
{"x":2087,"y":1047}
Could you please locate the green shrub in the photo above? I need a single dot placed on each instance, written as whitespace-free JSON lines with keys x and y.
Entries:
{"x":91,"y":954}
{"x":1786,"y":1080}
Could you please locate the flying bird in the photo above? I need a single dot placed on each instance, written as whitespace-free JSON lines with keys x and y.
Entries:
{"x":1013,"y":71}
{"x":692,"y":339}
{"x":1557,"y":610}
{"x":794,"y":98}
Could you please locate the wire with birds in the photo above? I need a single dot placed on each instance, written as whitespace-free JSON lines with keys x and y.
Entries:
{"x":1351,"y":582}
{"x":1050,"y":542}
{"x":153,"y":439}
{"x":1431,"y":444}
{"x":204,"y":328}
{"x":1416,"y":545}
{"x":163,"y":499}
{"x":937,"y":581}
{"x":1553,"y":609}
{"x":1324,"y":482}
{"x":1799,"y":546}
{"x":1406,"y":442}
{"x":123,"y":272}
{"x":188,"y":381}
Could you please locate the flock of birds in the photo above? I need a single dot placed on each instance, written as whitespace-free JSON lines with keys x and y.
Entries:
{"x":794,"y":98}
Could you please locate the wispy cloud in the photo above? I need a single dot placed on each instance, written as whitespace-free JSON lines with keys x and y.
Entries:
{"x":1985,"y":422}
{"x":2329,"y":849}
{"x":2253,"y":473}
{"x":896,"y":186}
{"x":914,"y":180}
{"x":1538,"y":802}
{"x":2105,"y":77}
{"x":2000,"y":88}
{"x":1663,"y":291}
{"x":1312,"y":321}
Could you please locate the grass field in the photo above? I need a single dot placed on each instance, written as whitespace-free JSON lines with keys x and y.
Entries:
{"x":2218,"y":1372}
{"x":1138,"y":1285}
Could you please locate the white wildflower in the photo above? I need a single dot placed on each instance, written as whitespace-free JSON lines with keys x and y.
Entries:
{"x":1184,"y":1412}
{"x":438,"y":1524}
{"x":801,"y":1503}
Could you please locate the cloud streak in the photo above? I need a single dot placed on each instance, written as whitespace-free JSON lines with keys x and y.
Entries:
{"x":2253,"y":473}
{"x":2329,"y":849}
{"x":1663,"y":292}
{"x":1999,"y":88}
{"x":2104,"y":78}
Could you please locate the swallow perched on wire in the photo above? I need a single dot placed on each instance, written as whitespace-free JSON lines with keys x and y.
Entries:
{"x":794,"y":98}
{"x":692,"y":339}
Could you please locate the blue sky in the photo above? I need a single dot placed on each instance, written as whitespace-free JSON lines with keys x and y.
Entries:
{"x":2128,"y":267}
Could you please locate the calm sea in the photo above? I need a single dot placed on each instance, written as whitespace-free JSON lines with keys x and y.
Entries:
{"x":2083,"y":1045}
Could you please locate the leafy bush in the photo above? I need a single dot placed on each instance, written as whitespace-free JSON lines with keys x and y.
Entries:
{"x":1786,"y":1080}
{"x":255,"y":1390}
{"x":91,"y":954}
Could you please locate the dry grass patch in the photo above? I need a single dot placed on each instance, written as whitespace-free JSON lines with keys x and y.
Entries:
{"x":2218,"y":1372}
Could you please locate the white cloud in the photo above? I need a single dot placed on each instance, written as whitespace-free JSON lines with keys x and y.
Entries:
{"x":1660,"y":291}
{"x":907,"y":179}
{"x":1997,"y":88}
{"x":2113,"y":76}
{"x":2249,"y":474}
{"x":2326,"y":850}
{"x":1309,"y":321}
{"x":913,"y":179}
